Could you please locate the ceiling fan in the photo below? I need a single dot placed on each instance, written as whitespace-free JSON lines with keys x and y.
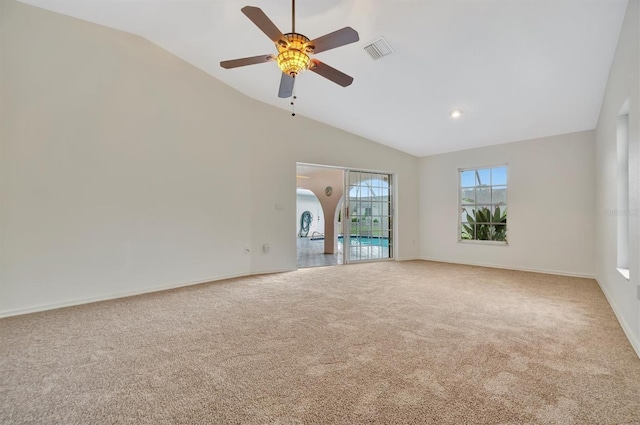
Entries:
{"x":294,"y":50}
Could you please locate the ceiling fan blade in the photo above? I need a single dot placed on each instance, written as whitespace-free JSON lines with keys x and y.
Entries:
{"x":335,"y":39}
{"x":330,"y":73}
{"x":263,"y":22}
{"x":254,"y":60}
{"x":286,"y":86}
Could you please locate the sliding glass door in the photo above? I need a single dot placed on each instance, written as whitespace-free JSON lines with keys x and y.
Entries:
{"x":368,"y":224}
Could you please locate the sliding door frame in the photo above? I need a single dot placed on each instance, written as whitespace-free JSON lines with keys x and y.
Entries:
{"x":367,"y":229}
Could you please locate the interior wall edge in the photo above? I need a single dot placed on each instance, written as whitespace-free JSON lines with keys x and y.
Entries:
{"x":635,"y":342}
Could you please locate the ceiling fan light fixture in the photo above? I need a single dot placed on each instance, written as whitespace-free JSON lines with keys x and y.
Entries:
{"x":294,"y":50}
{"x":293,"y":62}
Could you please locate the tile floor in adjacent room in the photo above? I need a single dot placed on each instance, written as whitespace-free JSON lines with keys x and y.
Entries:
{"x":311,"y":254}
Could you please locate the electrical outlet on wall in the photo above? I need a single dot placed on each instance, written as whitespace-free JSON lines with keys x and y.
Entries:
{"x":266,"y":248}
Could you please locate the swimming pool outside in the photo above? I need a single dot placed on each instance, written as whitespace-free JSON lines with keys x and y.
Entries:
{"x":366,"y":240}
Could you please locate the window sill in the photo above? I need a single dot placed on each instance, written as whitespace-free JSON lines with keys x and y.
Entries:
{"x":479,"y":242}
{"x":624,"y":273}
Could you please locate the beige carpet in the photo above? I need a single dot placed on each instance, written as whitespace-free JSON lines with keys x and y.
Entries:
{"x":411,"y":342}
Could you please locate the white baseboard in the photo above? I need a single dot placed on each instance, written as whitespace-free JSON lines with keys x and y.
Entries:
{"x":113,"y":296}
{"x":635,"y":342}
{"x":521,"y":269}
{"x":260,"y":272}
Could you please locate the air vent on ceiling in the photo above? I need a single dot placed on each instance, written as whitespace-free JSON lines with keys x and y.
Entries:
{"x":378,"y":48}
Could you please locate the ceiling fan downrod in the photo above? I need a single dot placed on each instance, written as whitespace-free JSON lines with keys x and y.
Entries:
{"x":293,"y":30}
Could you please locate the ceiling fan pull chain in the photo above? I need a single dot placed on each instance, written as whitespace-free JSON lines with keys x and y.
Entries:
{"x":293,"y":101}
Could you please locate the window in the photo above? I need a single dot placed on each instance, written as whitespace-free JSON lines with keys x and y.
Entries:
{"x":623,"y":212}
{"x":483,"y":204}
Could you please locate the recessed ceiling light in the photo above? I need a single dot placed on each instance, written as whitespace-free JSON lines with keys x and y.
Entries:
{"x":456,"y":113}
{"x":303,"y":177}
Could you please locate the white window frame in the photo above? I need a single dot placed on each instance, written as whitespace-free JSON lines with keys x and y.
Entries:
{"x":459,"y":218}
{"x":622,"y":191}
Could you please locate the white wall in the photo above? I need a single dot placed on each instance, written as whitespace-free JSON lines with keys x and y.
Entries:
{"x":124,"y":169}
{"x":623,"y":86}
{"x":550,"y":205}
{"x":276,"y":158}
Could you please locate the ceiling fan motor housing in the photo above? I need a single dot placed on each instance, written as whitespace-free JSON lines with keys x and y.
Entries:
{"x":293,"y":55}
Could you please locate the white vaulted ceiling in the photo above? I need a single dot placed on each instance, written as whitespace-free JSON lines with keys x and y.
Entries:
{"x":518,"y":69}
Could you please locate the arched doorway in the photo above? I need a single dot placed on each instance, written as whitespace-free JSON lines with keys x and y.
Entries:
{"x":319,"y":191}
